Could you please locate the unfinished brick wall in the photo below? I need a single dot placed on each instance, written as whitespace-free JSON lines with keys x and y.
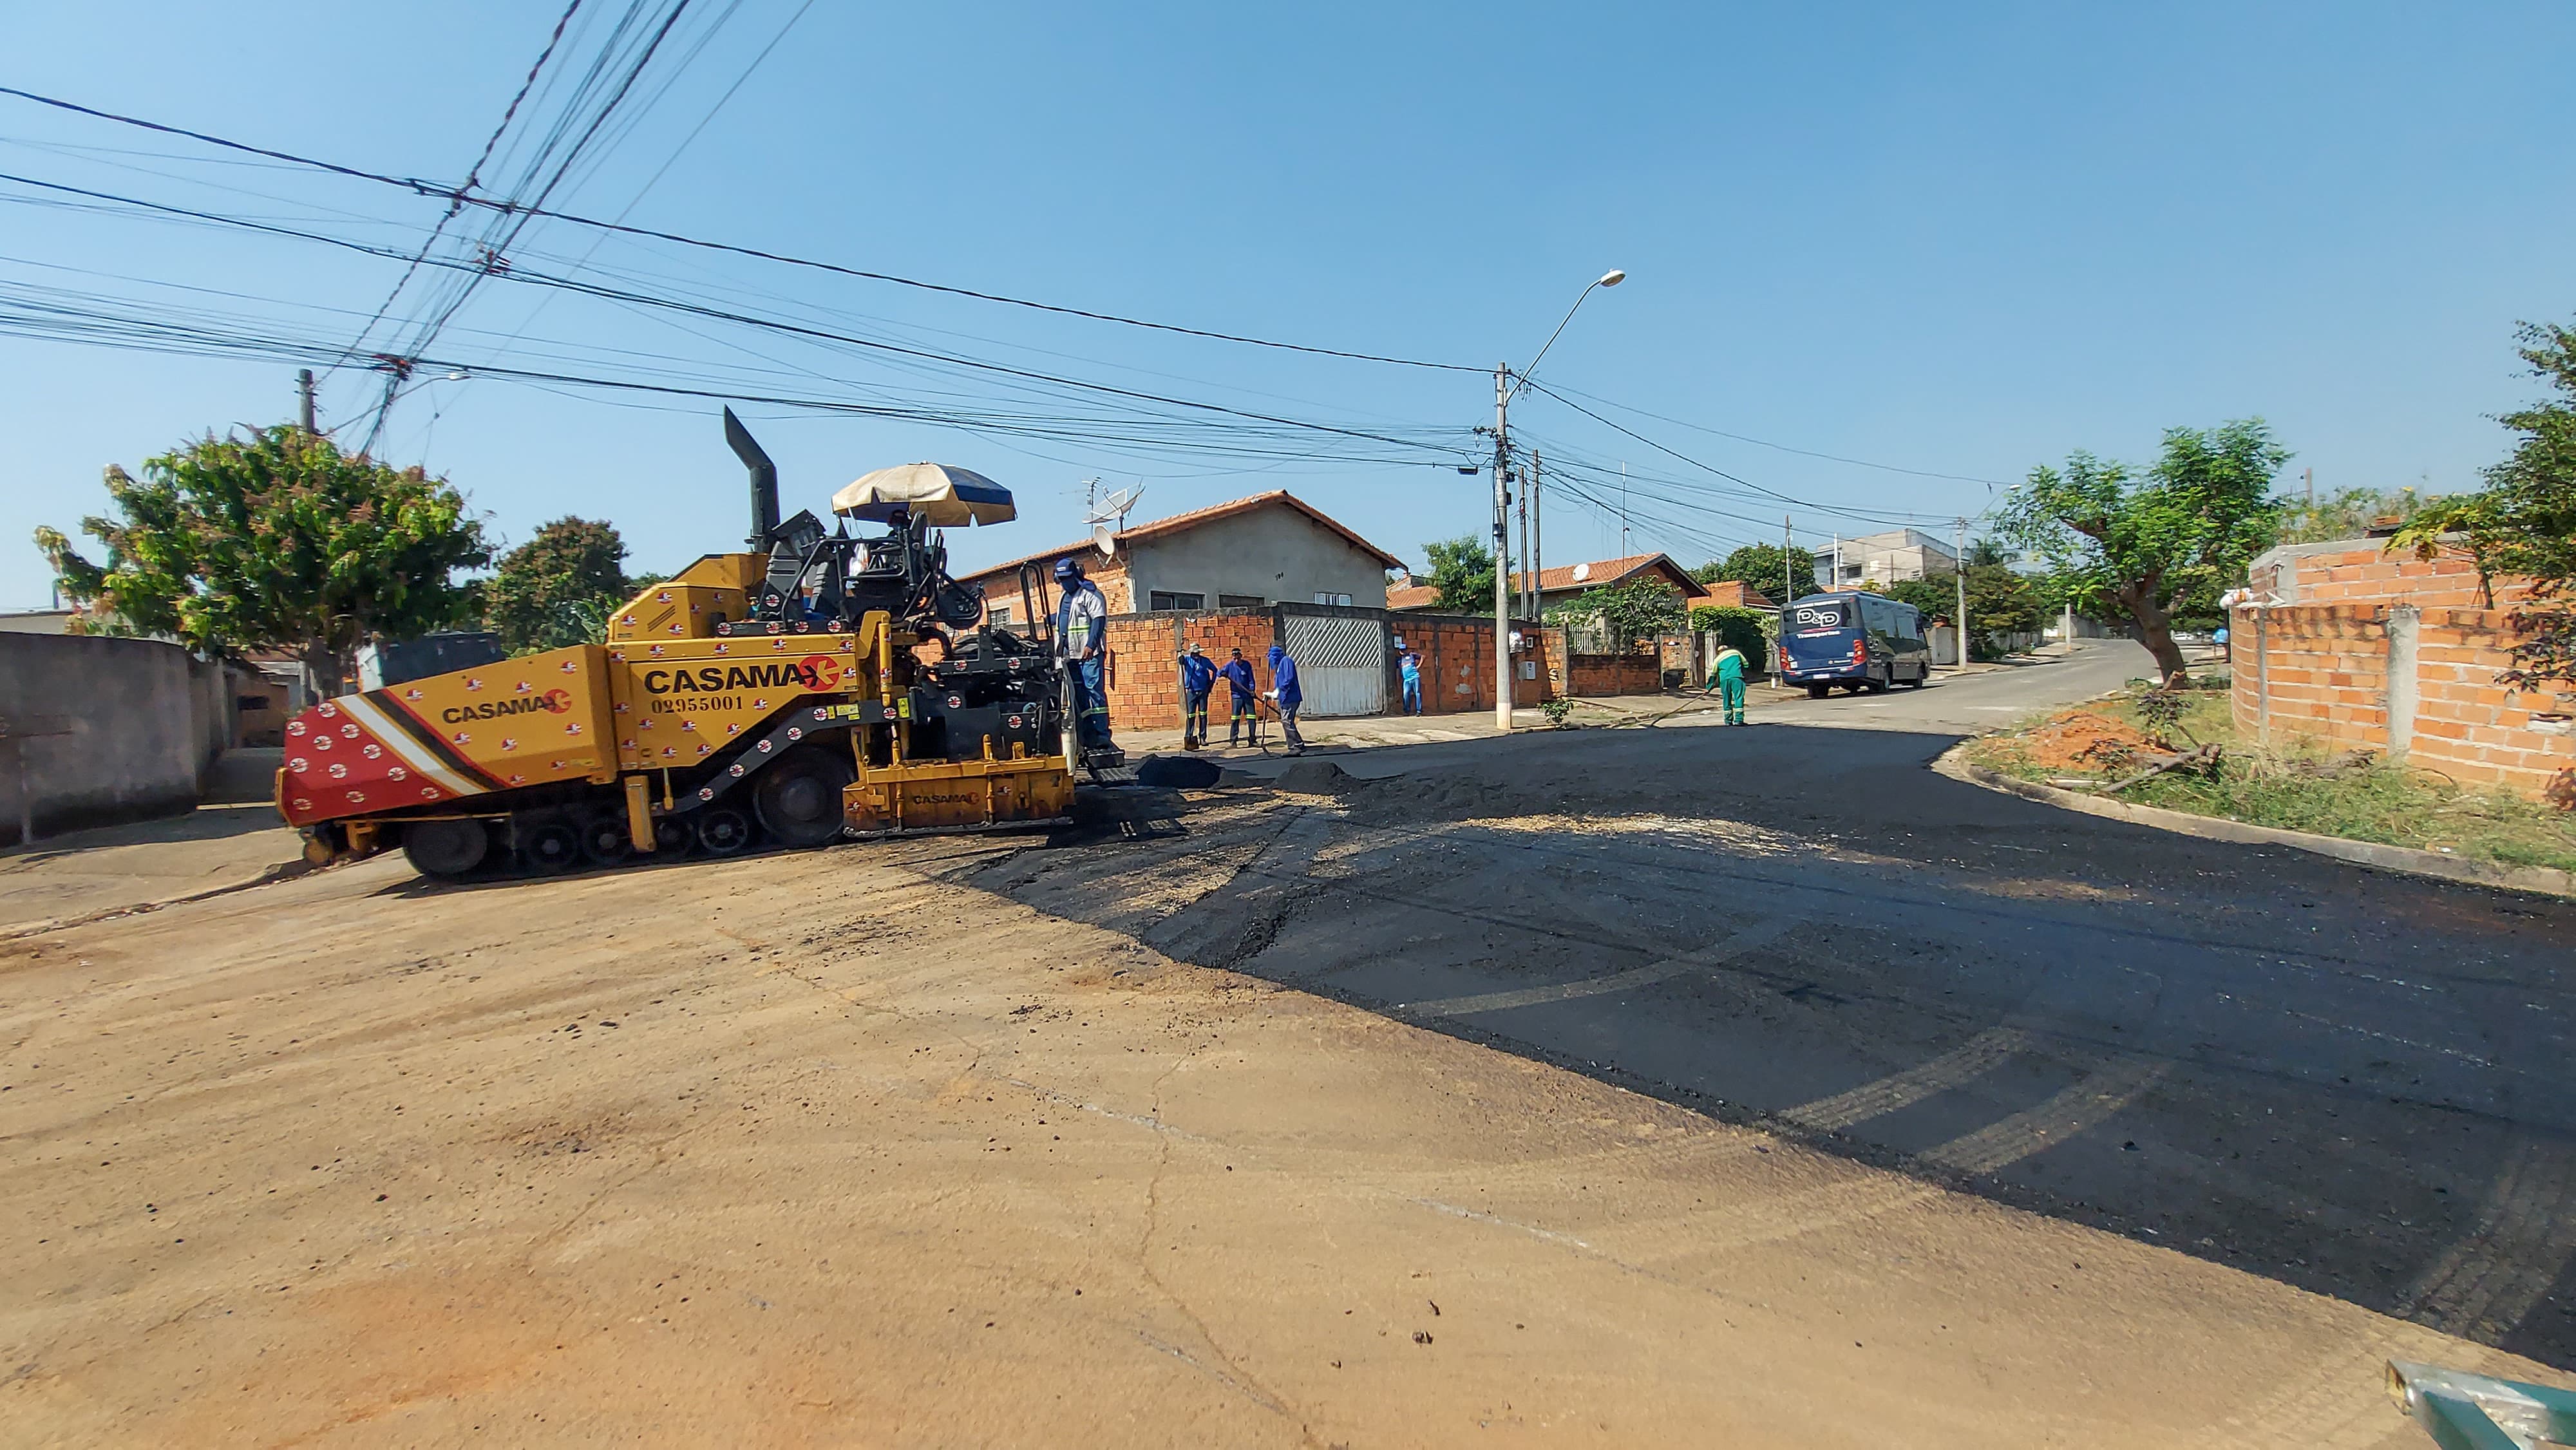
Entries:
{"x":1458,"y":663}
{"x":1627,"y":674}
{"x":2321,"y":674}
{"x":2362,"y":571}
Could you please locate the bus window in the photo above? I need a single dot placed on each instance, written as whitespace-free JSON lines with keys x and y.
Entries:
{"x":1821,"y":614}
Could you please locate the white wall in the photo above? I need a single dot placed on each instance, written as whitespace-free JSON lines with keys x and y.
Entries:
{"x":1272,"y":551}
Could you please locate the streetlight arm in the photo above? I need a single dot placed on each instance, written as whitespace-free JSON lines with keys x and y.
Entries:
{"x":1527,"y":372}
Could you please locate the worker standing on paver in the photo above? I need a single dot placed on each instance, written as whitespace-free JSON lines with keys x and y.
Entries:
{"x":1285,"y":691}
{"x":1238,"y":677}
{"x":1198,"y":676}
{"x":1082,"y":627}
{"x":1412,"y":683}
{"x":1730,"y":683}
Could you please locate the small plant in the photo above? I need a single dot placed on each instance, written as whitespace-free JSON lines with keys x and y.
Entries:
{"x":2160,"y":712}
{"x":1556,"y":711}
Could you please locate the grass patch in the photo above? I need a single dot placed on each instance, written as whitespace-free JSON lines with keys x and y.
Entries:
{"x":2357,"y":796}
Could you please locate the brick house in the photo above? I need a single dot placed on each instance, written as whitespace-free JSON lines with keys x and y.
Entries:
{"x":1253,"y":553}
{"x":1558,"y":585}
{"x":2348,"y":646}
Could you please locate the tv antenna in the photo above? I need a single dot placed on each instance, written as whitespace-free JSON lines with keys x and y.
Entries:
{"x":1112,"y":510}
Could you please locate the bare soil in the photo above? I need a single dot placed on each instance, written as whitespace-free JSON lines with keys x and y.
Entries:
{"x":832,"y":1148}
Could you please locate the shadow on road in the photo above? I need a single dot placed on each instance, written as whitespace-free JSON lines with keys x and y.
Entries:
{"x":2349,"y":1082}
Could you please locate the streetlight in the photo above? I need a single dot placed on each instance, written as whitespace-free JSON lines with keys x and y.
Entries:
{"x":1504,"y":391}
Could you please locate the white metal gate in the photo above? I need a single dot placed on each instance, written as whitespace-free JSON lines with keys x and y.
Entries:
{"x":1341,"y":662}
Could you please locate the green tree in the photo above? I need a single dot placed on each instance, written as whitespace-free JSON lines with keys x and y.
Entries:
{"x":1462,"y":571}
{"x":275,"y":541}
{"x":1626,"y":612}
{"x":2524,"y":522}
{"x":2150,"y":545}
{"x":1748,"y":630}
{"x":1759,"y":565}
{"x":559,"y":587}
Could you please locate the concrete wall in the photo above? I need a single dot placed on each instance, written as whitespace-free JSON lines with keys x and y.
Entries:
{"x":1274,"y":552}
{"x":95,"y":731}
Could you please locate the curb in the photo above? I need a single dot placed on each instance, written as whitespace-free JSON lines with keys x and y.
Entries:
{"x":2404,"y":860}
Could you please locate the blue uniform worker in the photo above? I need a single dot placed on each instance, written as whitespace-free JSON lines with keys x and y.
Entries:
{"x":1285,"y":690}
{"x":1238,"y":676}
{"x":1412,"y":683}
{"x":1198,"y":676}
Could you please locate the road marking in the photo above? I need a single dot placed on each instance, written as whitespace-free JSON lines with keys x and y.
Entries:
{"x":1753,"y":936}
{"x":1972,"y":1058}
{"x":2064,"y":1116}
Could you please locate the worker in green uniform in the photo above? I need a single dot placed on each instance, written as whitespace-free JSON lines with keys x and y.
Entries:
{"x":1730,"y":683}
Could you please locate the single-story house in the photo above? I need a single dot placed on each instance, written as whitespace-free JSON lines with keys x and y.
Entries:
{"x":1565,"y":581}
{"x":1271,"y":548}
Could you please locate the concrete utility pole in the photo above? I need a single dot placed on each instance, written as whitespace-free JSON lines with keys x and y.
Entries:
{"x":1537,"y":563}
{"x":1503,"y":393}
{"x":1502,"y":546}
{"x":1959,"y":574}
{"x":1623,"y":511}
{"x":1520,"y":570}
{"x":304,"y":393}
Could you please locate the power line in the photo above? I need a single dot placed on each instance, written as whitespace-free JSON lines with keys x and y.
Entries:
{"x":435,"y":190}
{"x":1781,"y":447}
{"x":473,"y":174}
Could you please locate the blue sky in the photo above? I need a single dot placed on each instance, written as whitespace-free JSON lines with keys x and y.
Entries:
{"x":1960,"y":239}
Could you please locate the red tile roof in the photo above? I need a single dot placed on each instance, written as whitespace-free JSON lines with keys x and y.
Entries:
{"x":1560,"y":579}
{"x":1196,"y":517}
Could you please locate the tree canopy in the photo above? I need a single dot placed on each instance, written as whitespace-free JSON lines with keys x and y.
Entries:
{"x":1759,"y":565}
{"x":275,"y":541}
{"x":1626,"y":612}
{"x":2524,"y":522}
{"x":559,"y":587}
{"x":2151,"y":544}
{"x":1462,"y":575}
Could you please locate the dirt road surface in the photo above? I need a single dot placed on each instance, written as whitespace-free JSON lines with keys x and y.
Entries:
{"x":855,"y":1148}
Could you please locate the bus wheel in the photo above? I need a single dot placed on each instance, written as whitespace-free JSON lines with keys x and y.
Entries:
{"x":1818,"y":692}
{"x":1921,"y":678}
{"x":445,"y":848}
{"x":1876,"y":686}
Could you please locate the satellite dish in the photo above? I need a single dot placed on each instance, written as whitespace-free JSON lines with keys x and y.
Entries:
{"x":1104,"y":540}
{"x":1582,"y":572}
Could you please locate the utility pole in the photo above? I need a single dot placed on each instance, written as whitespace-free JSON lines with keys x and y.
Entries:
{"x":2311,"y":475}
{"x":1502,"y":547}
{"x":1788,"y":593}
{"x":1623,"y":511}
{"x":1959,"y":574}
{"x":304,"y":393}
{"x":1520,"y":572}
{"x":1538,"y":562}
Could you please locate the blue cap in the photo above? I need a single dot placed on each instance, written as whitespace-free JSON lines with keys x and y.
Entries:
{"x":1067,"y":569}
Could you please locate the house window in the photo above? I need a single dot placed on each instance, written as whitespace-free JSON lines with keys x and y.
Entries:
{"x":1238,"y":601}
{"x":1169,"y":599}
{"x":1326,"y":596}
{"x":998,"y":614}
